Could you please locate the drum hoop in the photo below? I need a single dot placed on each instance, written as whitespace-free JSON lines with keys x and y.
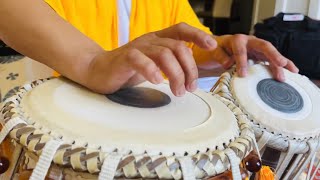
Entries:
{"x":211,"y":163}
{"x":278,"y":140}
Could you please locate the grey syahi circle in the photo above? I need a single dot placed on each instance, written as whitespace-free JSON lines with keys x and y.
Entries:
{"x":280,"y":96}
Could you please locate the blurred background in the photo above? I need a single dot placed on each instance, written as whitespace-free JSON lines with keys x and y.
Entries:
{"x":239,"y":16}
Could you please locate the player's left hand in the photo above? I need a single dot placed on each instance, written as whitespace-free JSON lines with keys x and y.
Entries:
{"x":239,"y":48}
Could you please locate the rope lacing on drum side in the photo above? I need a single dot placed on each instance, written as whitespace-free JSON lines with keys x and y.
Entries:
{"x":109,"y":167}
{"x":233,"y":158}
{"x":9,"y":126}
{"x":9,"y":121}
{"x":45,"y":159}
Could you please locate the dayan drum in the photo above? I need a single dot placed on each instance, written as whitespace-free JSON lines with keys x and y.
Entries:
{"x":285,"y":116}
{"x":16,"y":70}
{"x":69,"y":132}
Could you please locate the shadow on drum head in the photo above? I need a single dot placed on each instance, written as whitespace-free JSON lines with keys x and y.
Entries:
{"x":140,"y":97}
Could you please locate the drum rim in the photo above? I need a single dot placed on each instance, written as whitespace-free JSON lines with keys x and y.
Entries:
{"x":280,"y":139}
{"x":241,"y":145}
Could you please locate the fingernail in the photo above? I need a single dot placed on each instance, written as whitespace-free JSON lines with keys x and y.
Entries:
{"x":158,"y":78}
{"x":193,"y":86}
{"x":211,"y":42}
{"x":190,"y":50}
{"x":181,"y":91}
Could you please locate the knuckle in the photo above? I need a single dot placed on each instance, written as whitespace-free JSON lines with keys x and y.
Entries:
{"x":265,"y":44}
{"x":193,"y":72}
{"x":146,"y":36}
{"x":150,"y":34}
{"x":180,"y":47}
{"x":281,"y":61}
{"x":178,"y":77}
{"x":132,"y":54}
{"x":149,"y":67}
{"x":165,"y":53}
{"x":239,"y":51}
{"x":240,"y":37}
{"x":181,"y":25}
{"x":252,"y":37}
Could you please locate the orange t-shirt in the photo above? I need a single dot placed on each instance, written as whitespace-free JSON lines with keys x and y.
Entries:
{"x":98,"y":19}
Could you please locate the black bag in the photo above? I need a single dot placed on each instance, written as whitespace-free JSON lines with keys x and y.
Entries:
{"x":299,"y":41}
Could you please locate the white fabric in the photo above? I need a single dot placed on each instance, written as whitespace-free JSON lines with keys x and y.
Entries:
{"x":304,"y":123}
{"x":8,"y":127}
{"x":207,"y":83}
{"x":235,"y":163}
{"x":124,"y":9}
{"x":109,"y":167}
{"x":45,"y":159}
{"x":190,"y":123}
{"x":187,"y":168}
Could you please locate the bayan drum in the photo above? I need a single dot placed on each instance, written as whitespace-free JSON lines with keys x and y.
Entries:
{"x":285,"y":116}
{"x":69,"y":132}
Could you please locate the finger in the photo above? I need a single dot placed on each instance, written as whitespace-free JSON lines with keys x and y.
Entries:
{"x":222,"y":58}
{"x":268,"y":50}
{"x":185,"y":58}
{"x":277,"y":72}
{"x":144,"y":66}
{"x":257,"y":56}
{"x":170,"y":66}
{"x":134,"y":80}
{"x":185,"y":32}
{"x":239,"y":51}
{"x":292,"y":67}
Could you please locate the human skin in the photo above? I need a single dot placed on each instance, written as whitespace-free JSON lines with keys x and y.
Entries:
{"x":34,"y":29}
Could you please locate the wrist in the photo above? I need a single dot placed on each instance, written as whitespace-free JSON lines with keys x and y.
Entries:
{"x":82,"y":70}
{"x":96,"y":70}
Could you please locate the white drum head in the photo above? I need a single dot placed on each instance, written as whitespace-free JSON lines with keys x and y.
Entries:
{"x":196,"y":122}
{"x":290,"y":108}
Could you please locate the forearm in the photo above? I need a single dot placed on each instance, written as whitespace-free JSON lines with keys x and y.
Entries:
{"x":34,"y":29}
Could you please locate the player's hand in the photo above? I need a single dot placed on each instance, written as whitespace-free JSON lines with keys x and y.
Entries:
{"x":147,"y":57}
{"x":239,"y":48}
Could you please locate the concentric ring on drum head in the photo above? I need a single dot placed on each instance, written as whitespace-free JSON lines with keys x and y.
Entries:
{"x":280,"y":96}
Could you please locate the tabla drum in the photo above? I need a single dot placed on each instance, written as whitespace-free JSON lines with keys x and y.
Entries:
{"x":285,"y":116}
{"x":69,"y":132}
{"x":16,"y":70}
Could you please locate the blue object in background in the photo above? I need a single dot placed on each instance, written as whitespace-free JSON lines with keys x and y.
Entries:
{"x":207,"y":83}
